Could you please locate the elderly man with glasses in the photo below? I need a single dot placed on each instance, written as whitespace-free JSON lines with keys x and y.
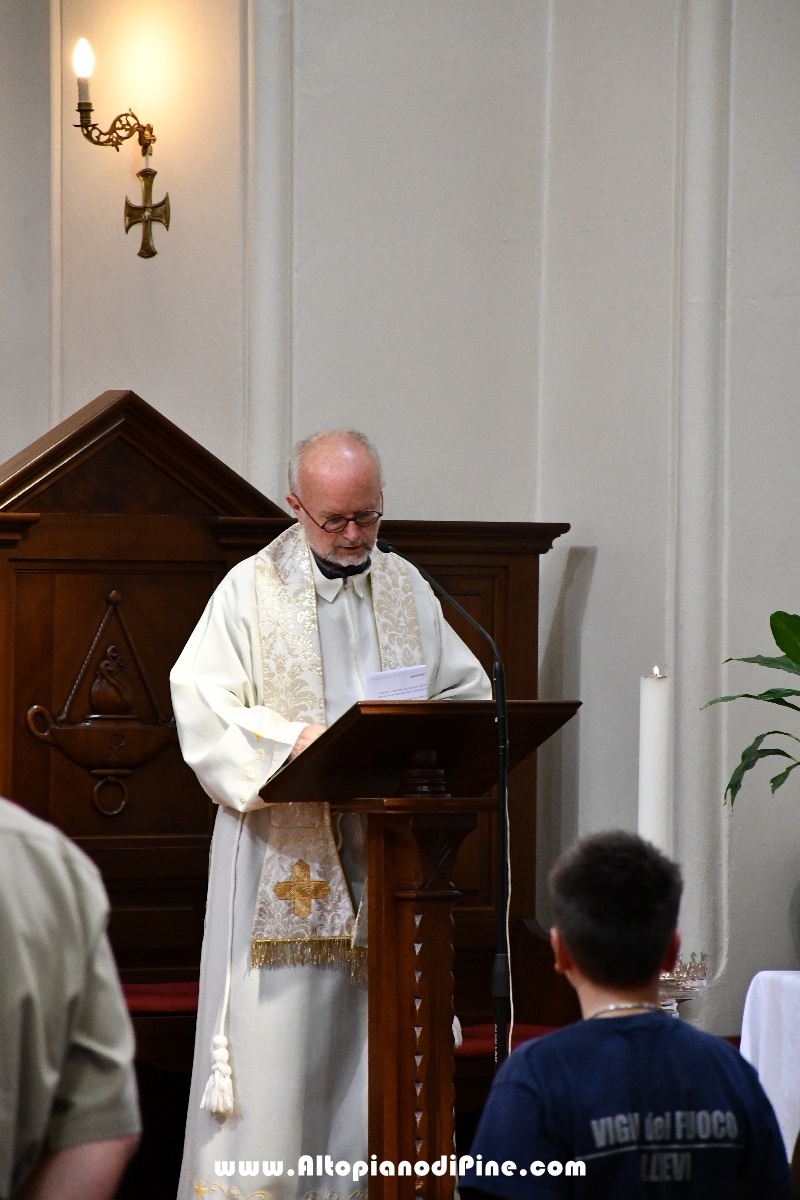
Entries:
{"x":283,"y":649}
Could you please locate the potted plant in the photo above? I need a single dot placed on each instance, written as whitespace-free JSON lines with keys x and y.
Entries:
{"x":786,"y":632}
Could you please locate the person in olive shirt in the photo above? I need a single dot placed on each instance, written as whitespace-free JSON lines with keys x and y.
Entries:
{"x":69,"y":1116}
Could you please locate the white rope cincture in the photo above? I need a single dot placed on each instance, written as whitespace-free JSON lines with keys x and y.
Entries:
{"x":218,"y":1094}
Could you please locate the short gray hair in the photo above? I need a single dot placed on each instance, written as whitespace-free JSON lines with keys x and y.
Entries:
{"x":302,"y":448}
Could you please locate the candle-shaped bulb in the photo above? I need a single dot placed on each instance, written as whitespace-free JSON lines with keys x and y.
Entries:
{"x":83,"y":59}
{"x":656,"y":672}
{"x":83,"y":62}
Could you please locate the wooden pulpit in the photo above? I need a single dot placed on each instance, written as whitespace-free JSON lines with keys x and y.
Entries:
{"x":115,"y":529}
{"x":421,"y":771}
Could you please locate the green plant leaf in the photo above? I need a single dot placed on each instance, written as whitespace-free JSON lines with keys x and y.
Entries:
{"x":751,"y":755}
{"x":771,"y":696}
{"x":778,"y":780}
{"x":786,"y":631}
{"x":778,"y":664}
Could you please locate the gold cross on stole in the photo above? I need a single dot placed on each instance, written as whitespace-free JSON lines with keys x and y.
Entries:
{"x":147,"y":212}
{"x":302,"y":889}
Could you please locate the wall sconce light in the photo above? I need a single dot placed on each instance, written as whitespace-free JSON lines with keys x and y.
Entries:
{"x":121,"y":128}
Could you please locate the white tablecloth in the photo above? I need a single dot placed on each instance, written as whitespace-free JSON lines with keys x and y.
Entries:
{"x":771,"y":1042}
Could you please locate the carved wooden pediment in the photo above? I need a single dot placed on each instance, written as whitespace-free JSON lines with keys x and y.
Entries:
{"x":120,"y":456}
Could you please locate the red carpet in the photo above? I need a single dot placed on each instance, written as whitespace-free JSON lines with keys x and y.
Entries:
{"x":479,"y":1039}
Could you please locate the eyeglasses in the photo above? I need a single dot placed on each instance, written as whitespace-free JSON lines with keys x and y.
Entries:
{"x":336,"y":524}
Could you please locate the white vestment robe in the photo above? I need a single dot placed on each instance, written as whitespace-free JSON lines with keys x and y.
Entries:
{"x":297,"y":1035}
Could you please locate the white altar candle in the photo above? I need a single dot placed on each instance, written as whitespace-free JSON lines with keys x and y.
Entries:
{"x":655,"y":761}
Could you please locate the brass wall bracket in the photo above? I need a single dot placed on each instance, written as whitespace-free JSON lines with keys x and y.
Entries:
{"x":121,"y":128}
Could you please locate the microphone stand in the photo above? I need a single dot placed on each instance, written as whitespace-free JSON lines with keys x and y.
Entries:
{"x":501,"y":975}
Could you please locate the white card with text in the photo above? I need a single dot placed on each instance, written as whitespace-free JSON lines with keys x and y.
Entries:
{"x":404,"y":683}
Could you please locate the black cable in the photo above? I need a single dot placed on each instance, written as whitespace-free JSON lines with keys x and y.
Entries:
{"x":501,"y":975}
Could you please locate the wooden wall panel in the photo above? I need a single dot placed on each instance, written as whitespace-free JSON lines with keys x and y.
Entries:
{"x":493,"y":571}
{"x":117,"y":499}
{"x":153,"y":854}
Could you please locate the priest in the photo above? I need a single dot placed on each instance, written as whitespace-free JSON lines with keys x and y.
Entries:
{"x":281,"y":651}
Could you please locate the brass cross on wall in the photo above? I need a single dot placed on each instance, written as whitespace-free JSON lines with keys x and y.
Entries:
{"x":147,"y":212}
{"x":302,"y":889}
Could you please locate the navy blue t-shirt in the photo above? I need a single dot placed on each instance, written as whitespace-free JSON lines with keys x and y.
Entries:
{"x":650,"y":1105}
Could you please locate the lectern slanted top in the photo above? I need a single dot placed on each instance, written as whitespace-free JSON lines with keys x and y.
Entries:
{"x":367,"y":751}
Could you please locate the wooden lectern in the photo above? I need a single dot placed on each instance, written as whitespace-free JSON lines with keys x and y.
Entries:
{"x":420,"y":770}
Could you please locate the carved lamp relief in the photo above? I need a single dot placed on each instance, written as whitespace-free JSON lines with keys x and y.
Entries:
{"x":111,"y":741}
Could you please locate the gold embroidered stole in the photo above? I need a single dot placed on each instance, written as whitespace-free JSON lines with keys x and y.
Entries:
{"x":304,"y":912}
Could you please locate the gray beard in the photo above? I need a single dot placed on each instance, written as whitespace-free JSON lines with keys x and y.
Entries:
{"x":335,"y":561}
{"x":333,"y":570}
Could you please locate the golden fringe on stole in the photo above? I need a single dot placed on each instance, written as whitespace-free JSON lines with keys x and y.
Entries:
{"x":319,"y":952}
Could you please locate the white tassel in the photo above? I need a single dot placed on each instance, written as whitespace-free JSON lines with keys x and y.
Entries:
{"x":218,"y":1096}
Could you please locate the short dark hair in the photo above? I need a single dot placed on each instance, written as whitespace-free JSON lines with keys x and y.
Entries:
{"x":615,"y":903}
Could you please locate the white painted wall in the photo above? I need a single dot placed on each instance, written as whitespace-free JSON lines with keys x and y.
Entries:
{"x":675,"y":361}
{"x":605,"y":396}
{"x":417,"y":184}
{"x":545,"y":251}
{"x":170,"y":327}
{"x":762,"y":572}
{"x":24,"y":223}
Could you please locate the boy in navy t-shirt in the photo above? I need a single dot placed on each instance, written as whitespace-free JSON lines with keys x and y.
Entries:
{"x":628,"y":1102}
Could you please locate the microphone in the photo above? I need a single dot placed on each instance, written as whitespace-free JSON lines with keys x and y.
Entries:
{"x":501,"y":975}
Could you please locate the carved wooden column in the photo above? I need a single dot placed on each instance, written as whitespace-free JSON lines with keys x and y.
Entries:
{"x":412,"y":849}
